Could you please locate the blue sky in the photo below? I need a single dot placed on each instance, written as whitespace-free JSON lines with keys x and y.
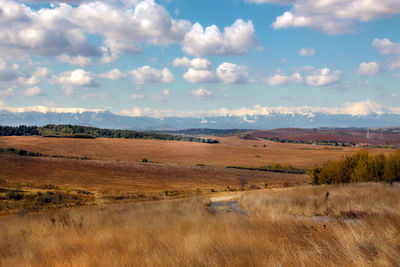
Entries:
{"x":201,"y":58}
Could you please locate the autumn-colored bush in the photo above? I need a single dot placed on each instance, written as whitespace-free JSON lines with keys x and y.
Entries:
{"x":359,"y":167}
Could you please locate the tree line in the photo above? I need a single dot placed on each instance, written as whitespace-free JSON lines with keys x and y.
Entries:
{"x":359,"y":167}
{"x":52,"y":130}
{"x":22,"y":130}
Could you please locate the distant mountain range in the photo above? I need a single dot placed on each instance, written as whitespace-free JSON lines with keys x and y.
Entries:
{"x":274,"y":120}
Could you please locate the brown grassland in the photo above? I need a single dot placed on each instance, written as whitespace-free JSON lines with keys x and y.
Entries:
{"x":121,"y":177}
{"x":230,"y":151}
{"x":353,"y":225}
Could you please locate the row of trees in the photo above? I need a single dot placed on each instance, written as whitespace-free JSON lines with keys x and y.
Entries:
{"x":359,"y":167}
{"x":52,"y":129}
{"x":92,"y":132}
{"x":18,"y":130}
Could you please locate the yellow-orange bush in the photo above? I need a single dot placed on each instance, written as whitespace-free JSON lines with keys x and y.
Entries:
{"x":359,"y":167}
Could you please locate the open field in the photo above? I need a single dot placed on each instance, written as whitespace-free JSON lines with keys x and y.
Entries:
{"x":353,"y":225}
{"x":122,"y":177}
{"x":389,"y":136}
{"x":230,"y":151}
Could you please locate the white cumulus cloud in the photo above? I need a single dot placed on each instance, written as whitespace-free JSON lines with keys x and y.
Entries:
{"x":390,"y":49}
{"x":201,"y":93}
{"x":78,"y":77}
{"x":64,"y":29}
{"x":362,"y":108}
{"x":235,"y":39}
{"x":114,"y":75}
{"x":147,"y":74}
{"x":333,"y":16}
{"x":196,"y":63}
{"x":230,"y":73}
{"x":200,"y":76}
{"x":33,"y":91}
{"x":75,"y":60}
{"x":369,"y":68}
{"x":282,"y":79}
{"x":386,"y":47}
{"x":323,"y":77}
{"x":227,"y":73}
{"x":308,"y":76}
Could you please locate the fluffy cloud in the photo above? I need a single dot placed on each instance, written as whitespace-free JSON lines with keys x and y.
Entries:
{"x":34,"y":91}
{"x":148,"y":74}
{"x":29,"y":79}
{"x":44,"y":32}
{"x":63,"y":29}
{"x":333,"y":16}
{"x":235,"y":39}
{"x":75,"y":60}
{"x":362,"y":108}
{"x":307,"y":52}
{"x":114,"y":75}
{"x":232,"y":73}
{"x":200,"y":76}
{"x":77,"y":77}
{"x":196,"y":63}
{"x":227,"y":73}
{"x":369,"y":68}
{"x":308,"y":76}
{"x":12,"y":76}
{"x":282,"y":79}
{"x":323,"y":77}
{"x":201,"y":93}
{"x":42,"y":73}
{"x":386,"y":47}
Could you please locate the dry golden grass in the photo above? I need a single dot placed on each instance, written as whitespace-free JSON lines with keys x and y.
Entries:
{"x":357,"y":225}
{"x":231,"y":151}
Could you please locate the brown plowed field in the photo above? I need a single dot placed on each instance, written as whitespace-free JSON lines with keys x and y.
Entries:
{"x":113,"y":176}
{"x":231,"y":151}
{"x":332,"y":135}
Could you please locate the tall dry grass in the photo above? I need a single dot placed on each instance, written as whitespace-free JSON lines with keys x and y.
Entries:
{"x":353,"y":225}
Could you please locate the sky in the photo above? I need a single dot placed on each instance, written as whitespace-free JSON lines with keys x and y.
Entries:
{"x":199,"y":57}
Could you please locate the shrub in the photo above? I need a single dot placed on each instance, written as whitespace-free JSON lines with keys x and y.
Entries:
{"x":144,"y":160}
{"x":12,"y":195}
{"x":359,"y":167}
